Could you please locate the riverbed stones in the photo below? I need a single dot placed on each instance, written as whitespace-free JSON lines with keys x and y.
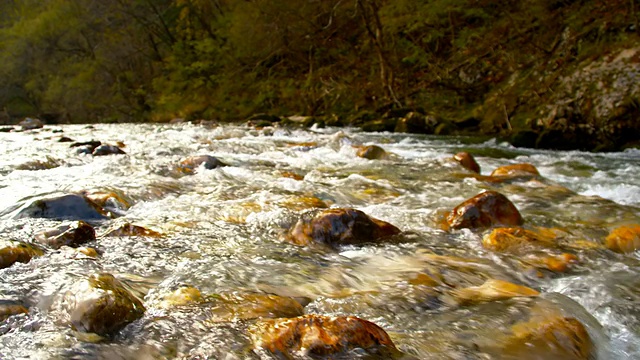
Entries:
{"x":624,"y":239}
{"x":339,"y":226}
{"x":371,"y":152}
{"x":235,"y":306}
{"x":62,"y":207}
{"x":318,"y":335}
{"x":100,"y":304}
{"x":484,"y":210}
{"x":190,"y":164}
{"x":72,"y":234}
{"x":467,"y":161}
{"x":12,"y":252}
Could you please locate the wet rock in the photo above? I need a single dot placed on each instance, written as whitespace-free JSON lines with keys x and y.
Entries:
{"x":484,"y":210}
{"x":63,"y":207}
{"x":523,"y":170}
{"x":183,"y":296}
{"x":10,"y":308}
{"x":243,"y":306}
{"x":104,"y":150}
{"x":335,"y":227}
{"x":15,"y":251}
{"x":100,"y":304}
{"x":128,"y":229}
{"x":190,"y":164}
{"x":31,"y":123}
{"x":73,"y":235}
{"x":317,"y":335}
{"x":111,"y":202}
{"x":467,"y":161}
{"x":416,"y":123}
{"x":47,"y":163}
{"x":556,"y":263}
{"x":65,"y":139}
{"x":86,"y":147}
{"x":553,"y":337}
{"x":372,"y":152}
{"x":299,"y":203}
{"x":5,"y":129}
{"x":493,"y":290}
{"x":624,"y":239}
{"x":517,"y":239}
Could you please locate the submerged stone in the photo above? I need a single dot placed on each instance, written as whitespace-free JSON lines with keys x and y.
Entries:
{"x":514,"y":239}
{"x":128,"y":229}
{"x":244,"y":306}
{"x":16,"y":251}
{"x":339,"y":226}
{"x":467,"y":161}
{"x":317,"y":335}
{"x":100,"y":304}
{"x":493,"y":290}
{"x":484,"y":210}
{"x":73,"y":235}
{"x":624,"y":239}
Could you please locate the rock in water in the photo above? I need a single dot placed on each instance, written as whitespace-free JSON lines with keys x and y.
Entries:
{"x":72,"y":235}
{"x":372,"y":152}
{"x":484,"y":210}
{"x":625,"y":239}
{"x":335,"y":227}
{"x":523,"y":170}
{"x":15,"y":251}
{"x":189,"y":164}
{"x":100,"y":304}
{"x":31,"y":123}
{"x":63,"y":207}
{"x":103,"y":150}
{"x":10,"y":308}
{"x":317,"y":335}
{"x":467,"y":161}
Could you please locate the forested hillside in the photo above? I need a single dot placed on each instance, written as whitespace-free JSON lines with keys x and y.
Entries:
{"x":563,"y":68}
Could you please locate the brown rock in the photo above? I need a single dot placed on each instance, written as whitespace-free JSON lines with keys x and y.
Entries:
{"x":339,"y":227}
{"x":467,"y":161}
{"x":555,"y":337}
{"x":516,"y":170}
{"x":316,"y":335}
{"x":100,"y":304}
{"x":484,"y":210}
{"x":15,"y":251}
{"x":104,"y":150}
{"x":493,"y":290}
{"x":244,"y":306}
{"x":372,"y":152}
{"x":514,"y":239}
{"x":625,"y":239}
{"x":188,"y":165}
{"x":128,"y":229}
{"x":72,"y":235}
{"x":10,"y":308}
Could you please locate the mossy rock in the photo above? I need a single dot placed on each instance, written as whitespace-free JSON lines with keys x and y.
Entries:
{"x":379,"y":125}
{"x":524,"y":139}
{"x":100,"y":304}
{"x":12,"y":252}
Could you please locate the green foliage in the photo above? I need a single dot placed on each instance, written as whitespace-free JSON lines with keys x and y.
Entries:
{"x":226,"y":59}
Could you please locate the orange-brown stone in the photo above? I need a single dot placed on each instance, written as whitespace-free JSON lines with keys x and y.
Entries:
{"x":190,"y":164}
{"x":339,"y":227}
{"x":73,"y":235}
{"x":493,"y":290}
{"x":128,"y":229}
{"x":625,"y":239}
{"x":15,"y":251}
{"x":467,"y":161}
{"x":516,"y":170}
{"x":484,"y":210}
{"x":555,"y":337}
{"x":516,"y":238}
{"x":9,"y":309}
{"x":244,"y":306}
{"x":317,"y":335}
{"x":372,"y":152}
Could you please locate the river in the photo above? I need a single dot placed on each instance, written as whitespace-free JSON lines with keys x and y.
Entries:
{"x":222,"y":233}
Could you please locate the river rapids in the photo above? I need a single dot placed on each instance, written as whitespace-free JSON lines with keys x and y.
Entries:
{"x":222,"y":233}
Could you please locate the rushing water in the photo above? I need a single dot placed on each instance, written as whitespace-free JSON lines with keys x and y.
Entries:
{"x":222,"y":233}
